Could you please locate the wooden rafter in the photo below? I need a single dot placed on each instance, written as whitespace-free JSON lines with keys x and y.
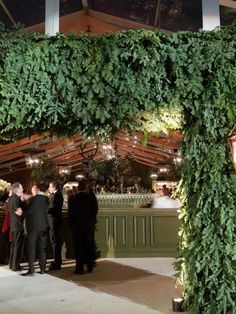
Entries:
{"x":7,"y":12}
{"x":228,"y":3}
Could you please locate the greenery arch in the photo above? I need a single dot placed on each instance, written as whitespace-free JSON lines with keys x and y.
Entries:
{"x":70,"y":84}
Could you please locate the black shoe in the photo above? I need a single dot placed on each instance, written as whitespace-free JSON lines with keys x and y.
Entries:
{"x":42,"y":272}
{"x":79,"y":271}
{"x":55,"y":267}
{"x":29,"y":273}
{"x":90,"y":267}
{"x":19,"y":268}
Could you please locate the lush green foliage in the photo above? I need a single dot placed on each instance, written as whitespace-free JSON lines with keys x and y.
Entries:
{"x":208,"y":233}
{"x":88,"y":84}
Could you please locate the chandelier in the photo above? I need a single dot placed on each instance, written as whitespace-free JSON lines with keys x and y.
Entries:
{"x":107,"y":148}
{"x":64,"y":170}
{"x":32,"y":161}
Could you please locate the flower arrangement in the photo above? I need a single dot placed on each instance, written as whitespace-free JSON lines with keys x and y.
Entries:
{"x":4,"y":189}
{"x":4,"y":185}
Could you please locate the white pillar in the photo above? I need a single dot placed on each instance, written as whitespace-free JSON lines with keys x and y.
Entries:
{"x":234,"y":153}
{"x":210,"y":14}
{"x":51,"y":17}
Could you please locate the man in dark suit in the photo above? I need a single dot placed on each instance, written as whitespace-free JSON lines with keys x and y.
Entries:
{"x":81,"y":214}
{"x":54,"y":222}
{"x":16,"y":226}
{"x":36,"y":225}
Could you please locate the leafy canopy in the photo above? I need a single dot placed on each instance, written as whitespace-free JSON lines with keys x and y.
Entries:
{"x":70,"y":84}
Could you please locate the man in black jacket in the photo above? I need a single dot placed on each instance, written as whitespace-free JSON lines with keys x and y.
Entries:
{"x":81,"y":213}
{"x":16,"y":226}
{"x":36,"y":225}
{"x":54,"y":221}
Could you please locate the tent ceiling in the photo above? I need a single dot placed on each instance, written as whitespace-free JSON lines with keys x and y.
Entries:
{"x":99,"y":16}
{"x":155,"y":153}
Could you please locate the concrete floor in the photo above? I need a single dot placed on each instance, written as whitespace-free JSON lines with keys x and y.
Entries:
{"x":116,"y":286}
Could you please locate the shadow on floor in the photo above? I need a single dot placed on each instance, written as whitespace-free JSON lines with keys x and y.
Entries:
{"x":136,"y":285}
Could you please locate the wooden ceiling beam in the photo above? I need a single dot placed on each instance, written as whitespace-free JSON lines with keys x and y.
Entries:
{"x":11,"y":156}
{"x":53,"y":145}
{"x":157,"y":14}
{"x":141,"y":148}
{"x":8,"y":171}
{"x":149,"y":162}
{"x":21,"y":142}
{"x":68,"y":156}
{"x":135,"y":153}
{"x":98,"y":27}
{"x":9,"y":15}
{"x":10,"y":164}
{"x":145,"y":163}
{"x":76,"y":163}
{"x":157,"y":142}
{"x":118,"y":21}
{"x":74,"y":22}
{"x":228,"y":3}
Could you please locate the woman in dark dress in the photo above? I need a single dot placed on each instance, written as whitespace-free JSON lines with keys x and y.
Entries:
{"x":5,"y":243}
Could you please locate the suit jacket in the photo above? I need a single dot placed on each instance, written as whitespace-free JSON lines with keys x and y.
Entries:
{"x":81,"y":208}
{"x":36,"y":213}
{"x":55,"y":205}
{"x":16,"y":222}
{"x":94,"y":206}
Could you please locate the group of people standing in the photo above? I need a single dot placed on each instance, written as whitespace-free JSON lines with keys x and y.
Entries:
{"x":33,"y":221}
{"x":37,"y":221}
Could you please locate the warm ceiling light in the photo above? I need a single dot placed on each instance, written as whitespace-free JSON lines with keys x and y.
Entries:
{"x":153,"y":176}
{"x":32,"y":161}
{"x":64,"y":170}
{"x":177,"y":160}
{"x":79,"y":176}
{"x":162,"y":170}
